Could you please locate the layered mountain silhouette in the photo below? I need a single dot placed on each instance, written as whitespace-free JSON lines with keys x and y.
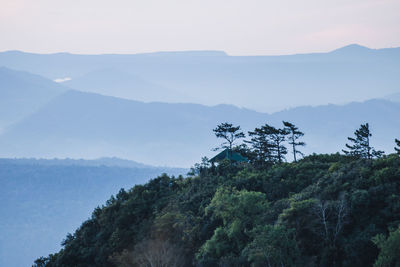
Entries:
{"x":86,"y":125}
{"x":22,"y":93}
{"x":263,"y":83}
{"x":41,"y":118}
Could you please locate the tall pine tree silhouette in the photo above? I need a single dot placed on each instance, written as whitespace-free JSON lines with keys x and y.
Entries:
{"x":229,"y":133}
{"x":268,"y":143}
{"x":262,"y":146}
{"x":398,"y":146}
{"x":360,"y":146}
{"x":293,"y":135}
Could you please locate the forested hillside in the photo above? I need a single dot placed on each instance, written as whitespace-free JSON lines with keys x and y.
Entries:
{"x":321,"y":210}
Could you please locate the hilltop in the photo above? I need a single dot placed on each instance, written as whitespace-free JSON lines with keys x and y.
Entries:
{"x":325,"y":210}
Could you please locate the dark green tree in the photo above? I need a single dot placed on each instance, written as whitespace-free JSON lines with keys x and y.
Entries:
{"x":272,"y":246}
{"x":398,"y":146}
{"x":239,"y":211}
{"x":389,"y":249}
{"x":40,"y":262}
{"x":262,"y":146}
{"x":198,"y":168}
{"x":294,"y":135}
{"x":278,"y":137}
{"x":267,"y":143}
{"x":361,"y":147}
{"x":229,"y":133}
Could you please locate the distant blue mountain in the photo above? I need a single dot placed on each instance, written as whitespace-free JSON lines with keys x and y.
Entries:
{"x":352,"y":50}
{"x":263,"y":83}
{"x":22,"y":93}
{"x":87,"y":125}
{"x":100,"y":162}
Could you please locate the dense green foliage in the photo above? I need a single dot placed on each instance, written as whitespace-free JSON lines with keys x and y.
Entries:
{"x":324,"y":210}
{"x":390,"y":249}
{"x":267,"y":145}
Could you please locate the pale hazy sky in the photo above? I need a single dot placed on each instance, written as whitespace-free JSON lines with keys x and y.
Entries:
{"x":239,"y":27}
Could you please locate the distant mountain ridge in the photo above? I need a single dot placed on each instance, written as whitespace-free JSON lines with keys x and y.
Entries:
{"x":263,"y":83}
{"x":104,"y":161}
{"x":22,"y":93}
{"x":87,"y":125}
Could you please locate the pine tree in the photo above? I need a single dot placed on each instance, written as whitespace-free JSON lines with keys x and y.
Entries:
{"x":267,"y":143}
{"x":278,"y":136}
{"x":361,"y":147}
{"x":294,"y":135}
{"x":229,"y":133}
{"x":262,"y":145}
{"x":398,"y":146}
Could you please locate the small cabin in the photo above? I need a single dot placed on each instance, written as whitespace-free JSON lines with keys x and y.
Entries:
{"x":229,"y":155}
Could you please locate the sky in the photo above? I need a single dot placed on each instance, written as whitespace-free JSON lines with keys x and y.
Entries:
{"x":238,"y":27}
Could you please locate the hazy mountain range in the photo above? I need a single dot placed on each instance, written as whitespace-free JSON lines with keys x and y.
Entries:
{"x":262,"y":83}
{"x":69,"y":123}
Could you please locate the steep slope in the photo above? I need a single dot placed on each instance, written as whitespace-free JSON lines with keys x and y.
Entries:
{"x":85,"y":125}
{"x":263,"y":83}
{"x":23,"y":93}
{"x":43,"y":200}
{"x":324,"y":210}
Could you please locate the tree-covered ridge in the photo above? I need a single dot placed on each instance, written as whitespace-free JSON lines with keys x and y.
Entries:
{"x":321,"y":210}
{"x":324,"y":210}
